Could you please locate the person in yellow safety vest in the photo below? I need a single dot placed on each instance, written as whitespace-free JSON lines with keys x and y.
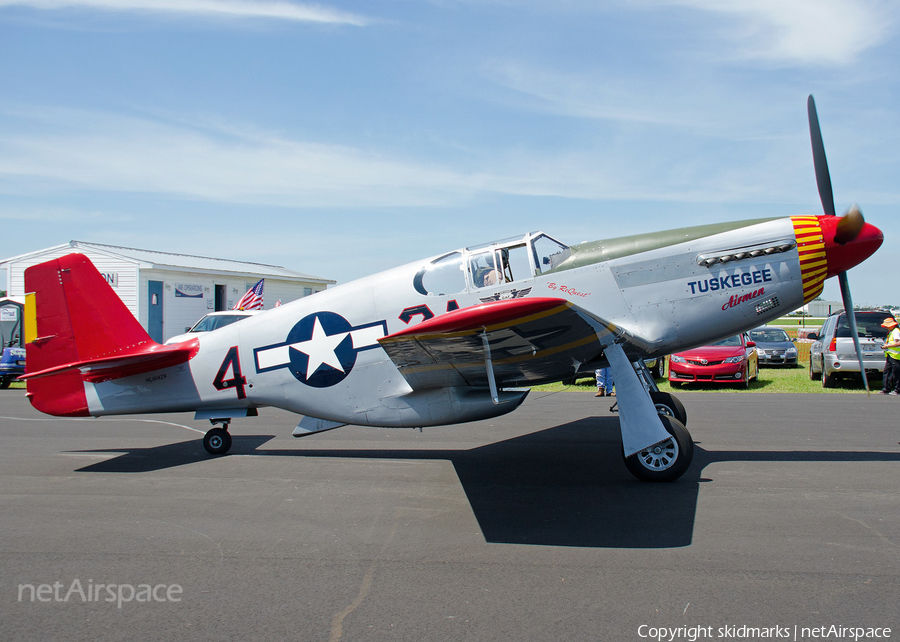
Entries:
{"x":891,"y":349}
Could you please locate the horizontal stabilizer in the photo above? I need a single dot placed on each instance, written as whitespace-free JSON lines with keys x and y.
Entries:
{"x":125,"y":364}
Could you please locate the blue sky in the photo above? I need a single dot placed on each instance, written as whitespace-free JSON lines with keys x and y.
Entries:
{"x":342,"y":138}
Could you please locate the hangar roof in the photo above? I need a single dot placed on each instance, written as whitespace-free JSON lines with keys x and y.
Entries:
{"x":154,"y":259}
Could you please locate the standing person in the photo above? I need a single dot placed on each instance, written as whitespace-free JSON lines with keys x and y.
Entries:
{"x":605,"y":382}
{"x":891,"y":349}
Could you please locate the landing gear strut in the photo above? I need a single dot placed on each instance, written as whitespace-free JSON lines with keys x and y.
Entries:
{"x":649,"y":416}
{"x":665,"y":402}
{"x":217,"y":441}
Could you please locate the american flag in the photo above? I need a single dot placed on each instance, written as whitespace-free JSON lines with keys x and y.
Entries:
{"x":253,"y":300}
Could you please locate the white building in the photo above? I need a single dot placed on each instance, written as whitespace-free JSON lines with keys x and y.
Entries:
{"x":168,"y":292}
{"x":822,"y":308}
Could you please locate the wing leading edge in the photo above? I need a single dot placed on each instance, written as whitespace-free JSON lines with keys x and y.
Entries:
{"x":518,"y":341}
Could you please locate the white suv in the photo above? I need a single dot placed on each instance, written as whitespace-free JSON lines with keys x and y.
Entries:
{"x":212,"y":321}
{"x":833,"y":354}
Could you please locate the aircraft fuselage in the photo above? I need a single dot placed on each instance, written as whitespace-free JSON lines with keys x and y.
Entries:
{"x":320,"y":356}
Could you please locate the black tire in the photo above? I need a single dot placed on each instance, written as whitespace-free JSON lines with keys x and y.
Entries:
{"x":4,"y":382}
{"x":745,"y":383}
{"x":827,"y":380}
{"x":217,"y":441}
{"x":667,"y":461}
{"x":813,"y":376}
{"x":669,"y":405}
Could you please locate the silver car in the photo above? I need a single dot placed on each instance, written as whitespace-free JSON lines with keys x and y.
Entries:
{"x":833,"y":354}
{"x":774,"y":346}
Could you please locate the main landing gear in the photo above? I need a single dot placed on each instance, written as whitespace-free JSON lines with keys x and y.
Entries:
{"x":217,"y":441}
{"x":668,"y":459}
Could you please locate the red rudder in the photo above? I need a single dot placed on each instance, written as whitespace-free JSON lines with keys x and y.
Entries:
{"x":76,"y":317}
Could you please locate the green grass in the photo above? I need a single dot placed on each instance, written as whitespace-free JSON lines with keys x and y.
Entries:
{"x":771,"y":379}
{"x":806,"y":322}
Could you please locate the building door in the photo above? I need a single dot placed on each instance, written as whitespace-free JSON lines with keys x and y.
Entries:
{"x":220,"y":298}
{"x":155,"y":310}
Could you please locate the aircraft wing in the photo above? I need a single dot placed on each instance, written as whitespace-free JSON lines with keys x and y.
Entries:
{"x":516,"y":341}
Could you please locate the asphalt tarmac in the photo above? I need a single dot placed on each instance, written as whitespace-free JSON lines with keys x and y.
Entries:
{"x":525,"y":527}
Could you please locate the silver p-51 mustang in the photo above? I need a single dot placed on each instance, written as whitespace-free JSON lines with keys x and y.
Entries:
{"x":452,"y":338}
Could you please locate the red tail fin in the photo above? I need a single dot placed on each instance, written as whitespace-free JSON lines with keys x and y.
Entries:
{"x":83,"y":331}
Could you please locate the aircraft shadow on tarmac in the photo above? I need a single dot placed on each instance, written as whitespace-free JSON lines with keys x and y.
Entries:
{"x":563,"y":486}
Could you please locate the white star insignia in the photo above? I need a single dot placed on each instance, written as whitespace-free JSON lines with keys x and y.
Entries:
{"x":320,"y":349}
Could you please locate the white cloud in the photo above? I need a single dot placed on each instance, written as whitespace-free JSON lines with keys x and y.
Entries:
{"x":607,"y":95}
{"x":273,"y":10}
{"x":53,"y":214}
{"x":820,"y":32}
{"x":57,"y":152}
{"x":68,"y":149}
{"x":670,"y":102}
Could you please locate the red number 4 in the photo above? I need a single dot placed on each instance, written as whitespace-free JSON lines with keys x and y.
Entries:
{"x":237,"y":379}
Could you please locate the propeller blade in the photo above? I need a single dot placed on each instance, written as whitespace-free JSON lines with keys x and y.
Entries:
{"x":823,"y":178}
{"x":851,"y":320}
{"x":850,"y":225}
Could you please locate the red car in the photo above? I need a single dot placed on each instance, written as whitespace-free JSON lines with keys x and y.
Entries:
{"x":731,"y":360}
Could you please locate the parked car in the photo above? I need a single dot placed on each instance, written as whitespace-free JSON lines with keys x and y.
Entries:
{"x":773,"y":346}
{"x":12,"y":348}
{"x":731,"y":360}
{"x":833,"y":354}
{"x":12,"y":365}
{"x":212,"y":321}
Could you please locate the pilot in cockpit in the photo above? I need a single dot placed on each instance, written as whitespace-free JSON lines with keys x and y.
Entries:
{"x":484,"y":272}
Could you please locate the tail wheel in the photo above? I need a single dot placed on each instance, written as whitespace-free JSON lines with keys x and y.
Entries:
{"x":217,"y":441}
{"x":669,"y":405}
{"x":666,"y":461}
